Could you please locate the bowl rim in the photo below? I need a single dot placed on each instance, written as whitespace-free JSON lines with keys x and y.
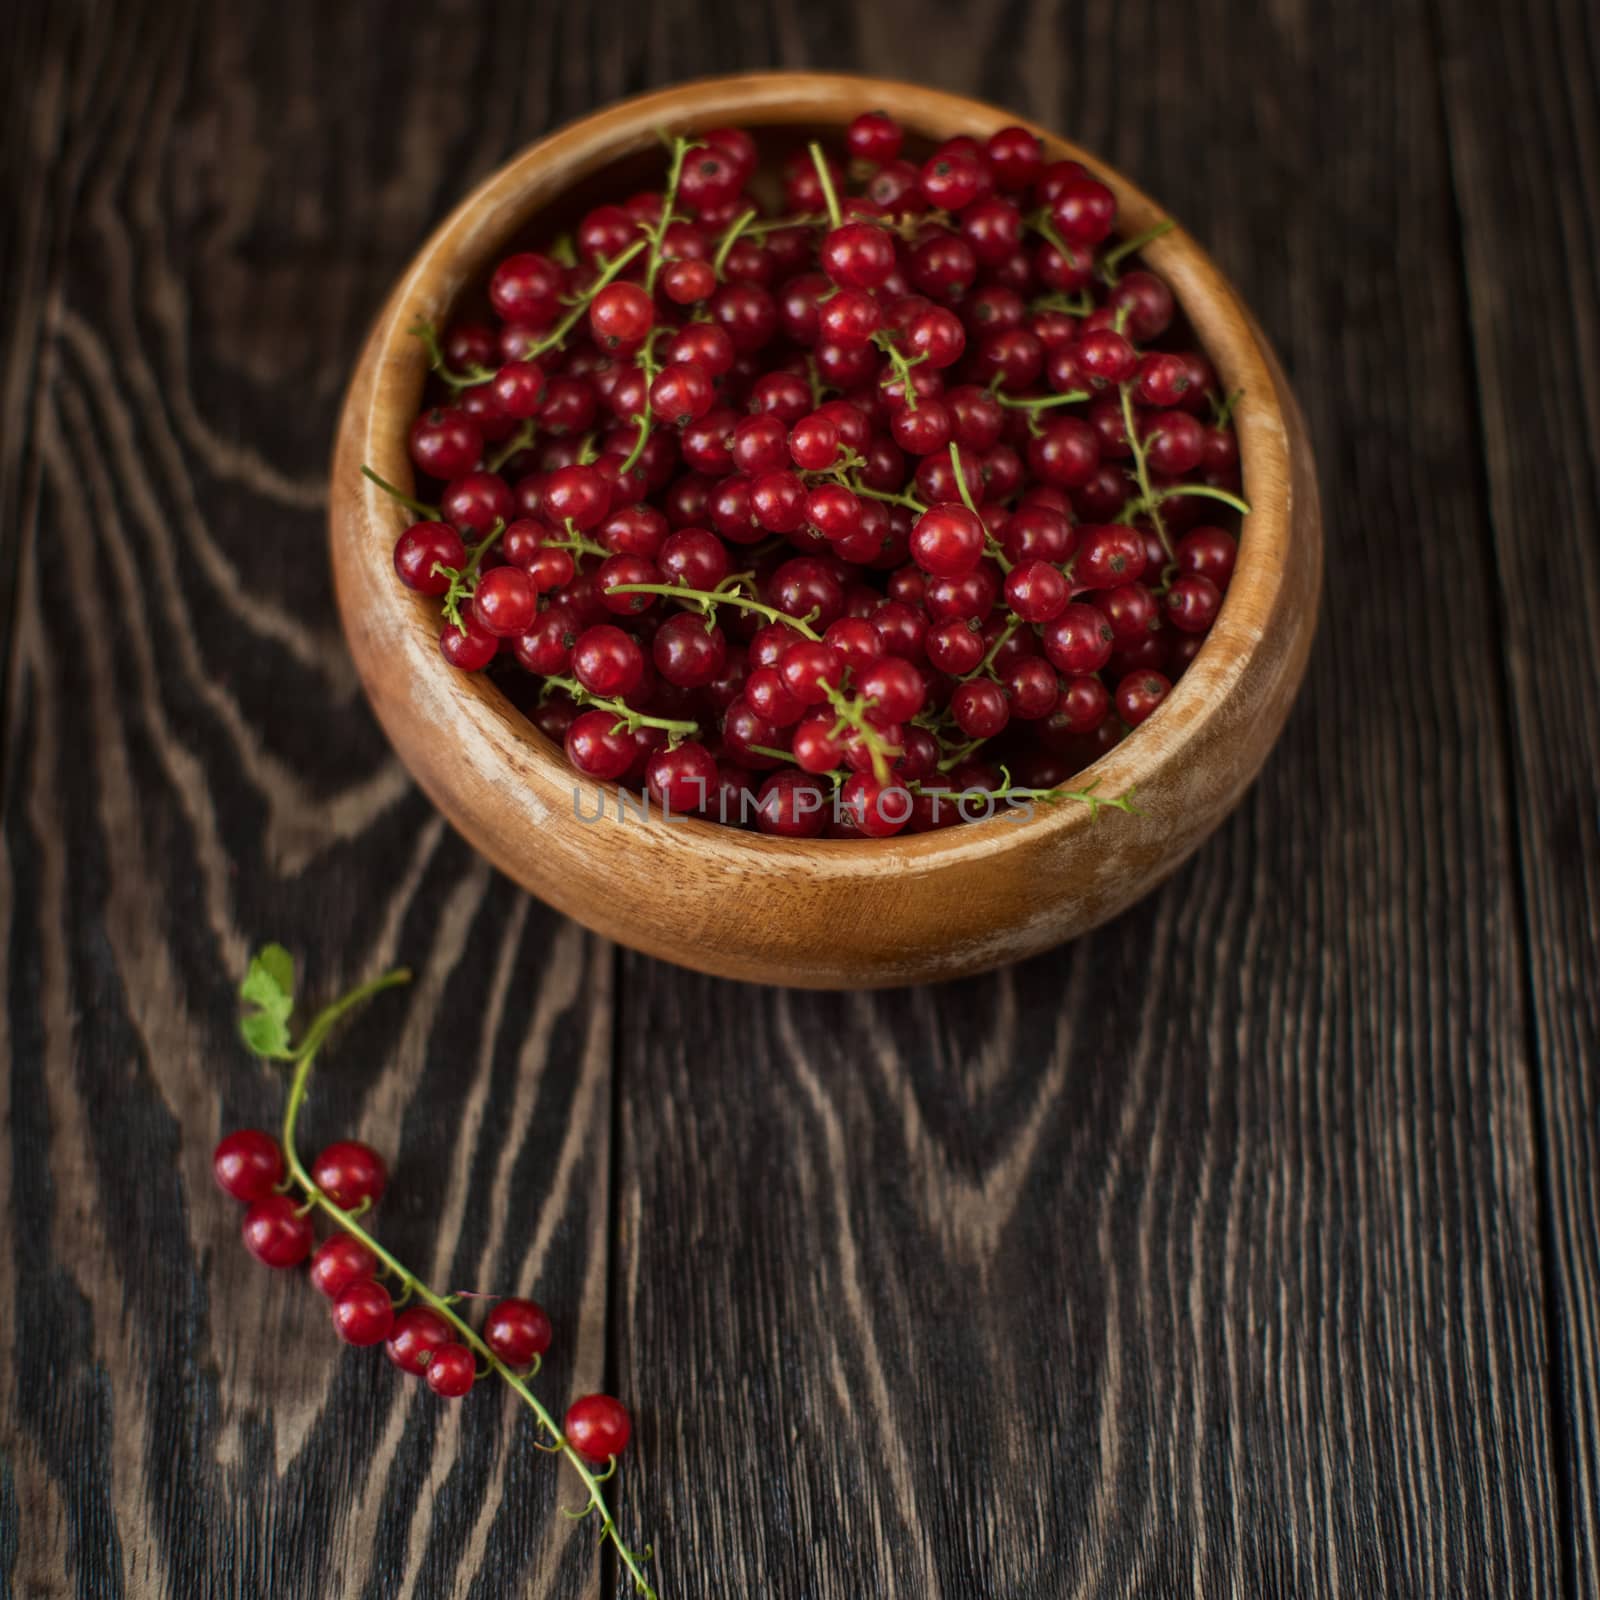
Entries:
{"x":501,"y":208}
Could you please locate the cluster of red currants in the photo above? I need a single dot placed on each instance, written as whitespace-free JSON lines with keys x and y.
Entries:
{"x":249,"y":1165}
{"x":881,"y":499}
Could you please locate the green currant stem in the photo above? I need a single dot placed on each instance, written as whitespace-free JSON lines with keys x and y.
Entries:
{"x":576,"y":544}
{"x":642,"y":418}
{"x":960,"y":754}
{"x":1114,"y":258}
{"x":986,"y":666}
{"x":731,"y":238}
{"x":411,"y":1284}
{"x":1074,"y":305}
{"x":825,"y":178}
{"x":1205,"y":492}
{"x":520,"y":440}
{"x":1041,"y":224}
{"x":1042,"y":402}
{"x":623,"y":713}
{"x":658,"y":233}
{"x":422,"y":507}
{"x":464,"y":583}
{"x":991,"y":547}
{"x":715,"y":597}
{"x":1224,"y":408}
{"x":850,"y":712}
{"x":557,"y":335}
{"x":901,"y":364}
{"x":1151,"y":502}
{"x":428,"y":334}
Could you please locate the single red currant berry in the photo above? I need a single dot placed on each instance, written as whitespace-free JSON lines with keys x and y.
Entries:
{"x":687,"y":283}
{"x":614,"y":573}
{"x":1174,"y":442}
{"x":980,"y":709}
{"x":363,"y":1313}
{"x":338,"y":1262}
{"x":1139,"y":694}
{"x":1083,"y":705}
{"x":955,"y":647}
{"x":598,"y":747}
{"x":417,"y":1333}
{"x":790,"y":805}
{"x":849,"y":318}
{"x":1109,"y":556}
{"x":276,"y":1233}
{"x":809,"y":670}
{"x":1016,"y":157}
{"x":923,"y":431}
{"x":1036,"y":591}
{"x":505,"y":602}
{"x":476,"y":501}
{"x":814,"y":443}
{"x":1162,"y":379}
{"x":1079,"y":640}
{"x":878,"y":810}
{"x":694,"y":557}
{"x":607,"y":661}
{"x":422,"y":548}
{"x":688,"y":654}
{"x":1209,"y":553}
{"x":947,"y":541}
{"x":348,"y":1172}
{"x":896,"y":686}
{"x":579,"y":492}
{"x":597,"y":1427}
{"x":760,"y":444}
{"x":681,"y":393}
{"x":1084,"y":211}
{"x":1192,"y":603}
{"x":681,"y":780}
{"x":518,"y":388}
{"x":1148,"y":303}
{"x":247,"y":1164}
{"x":939,"y":336}
{"x":450,"y":1371}
{"x":471,"y":647}
{"x":517,"y":1331}
{"x":950,"y":180}
{"x":620,"y":316}
{"x":526,"y":289}
{"x":445,"y":442}
{"x":1065,"y":451}
{"x":1032,"y":688}
{"x":874,"y":136}
{"x":857,"y":255}
{"x":1131,"y":611}
{"x":856,"y":639}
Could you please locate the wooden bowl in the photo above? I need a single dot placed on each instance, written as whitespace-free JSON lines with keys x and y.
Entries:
{"x":818,"y":913}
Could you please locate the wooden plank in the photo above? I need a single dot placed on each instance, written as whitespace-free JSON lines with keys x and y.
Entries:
{"x":189,"y":770}
{"x":1528,"y":188}
{"x":1203,"y":1257}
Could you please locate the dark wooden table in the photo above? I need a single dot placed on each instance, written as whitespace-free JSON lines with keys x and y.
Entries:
{"x":1251,"y":1247}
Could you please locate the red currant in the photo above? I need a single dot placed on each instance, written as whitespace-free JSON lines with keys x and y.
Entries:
{"x":247,"y":1164}
{"x":348,"y":1172}
{"x":276,"y":1233}
{"x":517,"y":1331}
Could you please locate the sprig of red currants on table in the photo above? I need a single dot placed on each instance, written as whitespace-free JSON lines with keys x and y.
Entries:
{"x":816,"y":517}
{"x":374,"y":1299}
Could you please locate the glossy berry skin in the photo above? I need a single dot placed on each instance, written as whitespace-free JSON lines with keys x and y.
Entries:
{"x":1208,"y":553}
{"x":416,"y":1334}
{"x":471,"y":647}
{"x":421,"y":548}
{"x":877,"y":810}
{"x":1192,"y":603}
{"x":445,"y":442}
{"x":275,"y":1233}
{"x":681,"y":393}
{"x":505,"y":602}
{"x":1084,"y":703}
{"x":526,"y":289}
{"x":597,"y":1427}
{"x":338,"y":1262}
{"x":790,"y":806}
{"x":686,"y":654}
{"x":979,"y":708}
{"x":620,"y":316}
{"x":1109,"y":556}
{"x":955,"y":647}
{"x":348,"y":1172}
{"x":1066,"y":452}
{"x":874,"y":136}
{"x":517,"y":1331}
{"x":1015,"y":157}
{"x":450,"y":1371}
{"x":363,"y":1313}
{"x":896,"y":686}
{"x":858,"y":255}
{"x":595,"y":750}
{"x":682,"y":780}
{"x":1036,"y":591}
{"x":947,"y":541}
{"x":247,"y":1164}
{"x":1079,"y":640}
{"x":809,"y":670}
{"x":607,"y":661}
{"x":814,"y":442}
{"x":1139,"y":694}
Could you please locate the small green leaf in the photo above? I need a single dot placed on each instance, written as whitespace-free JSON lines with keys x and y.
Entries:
{"x":265,"y":1034}
{"x":269,"y":985}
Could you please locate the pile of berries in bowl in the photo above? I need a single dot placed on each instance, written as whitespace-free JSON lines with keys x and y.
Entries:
{"x":851,"y":487}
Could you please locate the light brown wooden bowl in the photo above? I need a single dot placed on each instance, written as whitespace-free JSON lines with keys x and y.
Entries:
{"x":822,"y":914}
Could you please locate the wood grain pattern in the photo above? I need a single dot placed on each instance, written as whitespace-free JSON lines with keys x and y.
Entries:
{"x":1202,"y":1258}
{"x":1530,"y":215}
